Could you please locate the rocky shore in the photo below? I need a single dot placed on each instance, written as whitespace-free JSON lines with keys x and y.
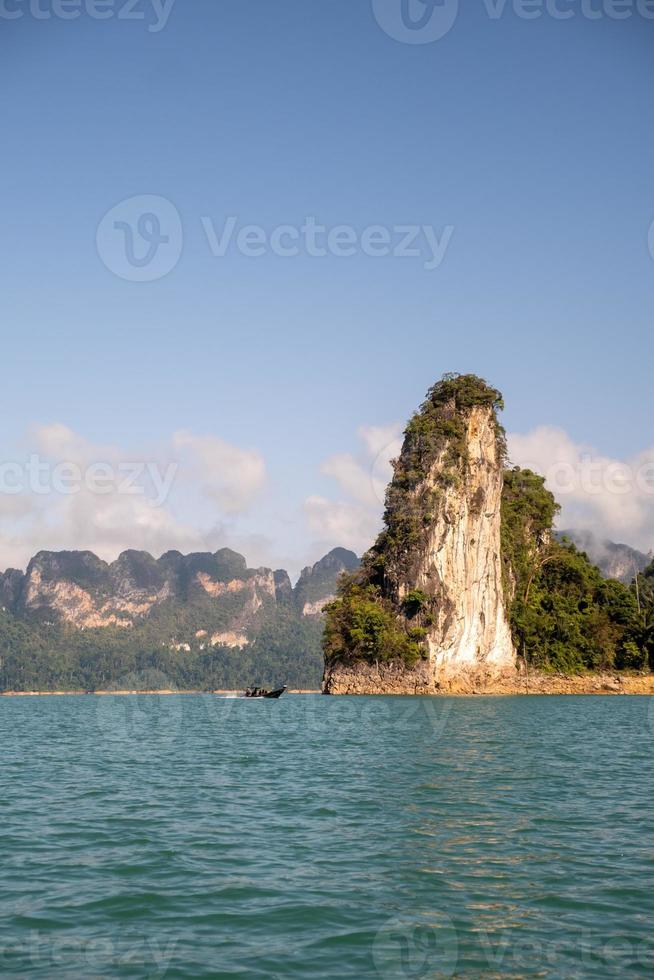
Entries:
{"x":396,"y":679}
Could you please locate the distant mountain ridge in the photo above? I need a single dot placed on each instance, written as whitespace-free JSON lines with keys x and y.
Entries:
{"x":617,"y":561}
{"x":316,"y":586}
{"x":82,"y":590}
{"x":202,"y":619}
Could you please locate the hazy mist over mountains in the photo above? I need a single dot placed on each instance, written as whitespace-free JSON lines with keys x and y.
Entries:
{"x":618,"y":561}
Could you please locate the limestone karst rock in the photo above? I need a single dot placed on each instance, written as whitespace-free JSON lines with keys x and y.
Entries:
{"x":435,"y":572}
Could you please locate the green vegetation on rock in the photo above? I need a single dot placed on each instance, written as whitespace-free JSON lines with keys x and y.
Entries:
{"x":362,"y":625}
{"x":564,"y":615}
{"x":436,"y":434}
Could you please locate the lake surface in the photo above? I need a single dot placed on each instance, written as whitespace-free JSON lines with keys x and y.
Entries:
{"x":192,"y":836}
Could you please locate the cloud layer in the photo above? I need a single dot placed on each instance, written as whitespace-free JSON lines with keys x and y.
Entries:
{"x":354,"y":519}
{"x":69,"y":493}
{"x":614,"y":498}
{"x":201,"y":492}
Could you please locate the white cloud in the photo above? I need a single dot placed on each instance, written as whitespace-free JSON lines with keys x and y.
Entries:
{"x":366,"y":476}
{"x":230,"y":475}
{"x":206,"y":502}
{"x":58,"y":441}
{"x":612,"y":497}
{"x":354,"y":520}
{"x":382,"y":440}
{"x":65,"y":492}
{"x":354,"y":479}
{"x":337,"y":523}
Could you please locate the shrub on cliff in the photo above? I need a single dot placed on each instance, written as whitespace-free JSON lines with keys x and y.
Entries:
{"x":435,"y":433}
{"x":361,"y":625}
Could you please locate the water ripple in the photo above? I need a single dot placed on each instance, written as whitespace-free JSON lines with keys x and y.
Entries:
{"x":326,"y":838}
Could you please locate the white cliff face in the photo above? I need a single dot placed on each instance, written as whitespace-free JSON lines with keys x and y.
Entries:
{"x":458,"y":567}
{"x":461,"y":565}
{"x":316,"y":608}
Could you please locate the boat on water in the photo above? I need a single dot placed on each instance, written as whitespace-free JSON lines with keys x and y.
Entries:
{"x":259,"y":692}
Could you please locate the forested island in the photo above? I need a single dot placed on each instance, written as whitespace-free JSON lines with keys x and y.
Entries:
{"x":467,"y":584}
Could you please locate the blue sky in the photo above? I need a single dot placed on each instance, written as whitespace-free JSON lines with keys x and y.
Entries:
{"x":530,"y":139}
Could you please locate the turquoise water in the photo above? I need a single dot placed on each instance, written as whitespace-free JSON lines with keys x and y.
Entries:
{"x":192,"y":836}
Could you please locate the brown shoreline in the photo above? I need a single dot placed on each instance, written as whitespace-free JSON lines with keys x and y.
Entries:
{"x":535,"y":684}
{"x":557,"y":684}
{"x":391,"y":679}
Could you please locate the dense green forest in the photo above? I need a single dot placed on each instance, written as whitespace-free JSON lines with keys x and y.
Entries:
{"x":564,"y":615}
{"x":285,"y":650}
{"x":208,"y":622}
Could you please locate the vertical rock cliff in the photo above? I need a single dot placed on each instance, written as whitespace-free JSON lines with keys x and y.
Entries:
{"x":427,"y":612}
{"x":461,"y":562}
